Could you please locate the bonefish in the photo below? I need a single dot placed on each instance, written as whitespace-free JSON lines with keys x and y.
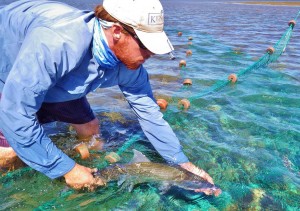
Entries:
{"x":142,"y":170}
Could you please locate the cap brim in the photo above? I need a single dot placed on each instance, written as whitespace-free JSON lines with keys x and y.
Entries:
{"x":156,"y":42}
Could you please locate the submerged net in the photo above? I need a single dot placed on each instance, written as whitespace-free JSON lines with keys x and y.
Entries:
{"x":270,"y":56}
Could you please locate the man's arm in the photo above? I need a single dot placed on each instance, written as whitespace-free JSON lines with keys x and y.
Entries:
{"x":137,"y":90}
{"x":32,"y":74}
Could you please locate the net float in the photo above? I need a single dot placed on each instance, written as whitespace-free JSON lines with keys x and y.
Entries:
{"x":162,"y":103}
{"x":182,"y":63}
{"x":112,"y":157}
{"x":292,"y":22}
{"x":188,"y":53}
{"x":83,"y":150}
{"x":185,"y":103}
{"x":187,"y":81}
{"x":190,"y":38}
{"x":270,"y":50}
{"x":232,"y":78}
{"x":96,"y":145}
{"x":179,"y":34}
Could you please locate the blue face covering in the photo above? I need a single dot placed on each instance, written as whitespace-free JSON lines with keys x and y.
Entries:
{"x":102,"y":53}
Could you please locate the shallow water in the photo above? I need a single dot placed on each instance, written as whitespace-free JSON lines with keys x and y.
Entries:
{"x":245,"y":135}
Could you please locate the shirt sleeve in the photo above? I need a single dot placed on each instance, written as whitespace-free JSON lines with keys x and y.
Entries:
{"x":137,"y":90}
{"x":32,"y":74}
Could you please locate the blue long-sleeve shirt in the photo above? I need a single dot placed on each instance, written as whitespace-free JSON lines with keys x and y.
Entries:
{"x":46,"y":56}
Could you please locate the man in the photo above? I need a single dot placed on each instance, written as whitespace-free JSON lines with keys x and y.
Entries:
{"x":53,"y":55}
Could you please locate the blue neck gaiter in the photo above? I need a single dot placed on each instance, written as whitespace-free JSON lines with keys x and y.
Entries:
{"x":102,"y":53}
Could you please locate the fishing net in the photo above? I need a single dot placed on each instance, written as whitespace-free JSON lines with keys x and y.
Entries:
{"x":271,"y":55}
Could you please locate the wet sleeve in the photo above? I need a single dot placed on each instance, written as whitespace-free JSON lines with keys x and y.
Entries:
{"x":137,"y":90}
{"x":32,"y":74}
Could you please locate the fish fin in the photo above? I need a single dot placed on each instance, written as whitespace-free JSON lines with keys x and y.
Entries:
{"x":121,"y":180}
{"x":164,"y":187}
{"x":130,"y":187}
{"x":126,"y":182}
{"x":139,"y":157}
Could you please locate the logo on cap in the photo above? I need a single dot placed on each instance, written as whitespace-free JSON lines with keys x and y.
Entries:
{"x":156,"y":18}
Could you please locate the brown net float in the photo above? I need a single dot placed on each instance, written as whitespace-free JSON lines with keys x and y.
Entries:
{"x":96,"y":144}
{"x":232,"y":78}
{"x":184,"y":103}
{"x":182,"y":63}
{"x":188,"y":53}
{"x":83,"y":150}
{"x":187,"y":81}
{"x":179,"y":34}
{"x":112,"y":157}
{"x":292,"y":22}
{"x":162,"y":103}
{"x":270,"y":50}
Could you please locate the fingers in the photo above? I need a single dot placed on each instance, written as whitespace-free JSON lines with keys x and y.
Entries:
{"x":209,"y":179}
{"x":97,"y":181}
{"x":197,"y":171}
{"x":217,"y":192}
{"x":207,"y":191}
{"x":82,"y":177}
{"x":205,"y":176}
{"x":94,"y":170}
{"x":91,"y":170}
{"x":91,"y":186}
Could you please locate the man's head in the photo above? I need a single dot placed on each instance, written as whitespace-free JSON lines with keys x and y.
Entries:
{"x":138,"y":29}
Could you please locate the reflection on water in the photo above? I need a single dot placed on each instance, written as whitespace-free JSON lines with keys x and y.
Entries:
{"x":245,"y":135}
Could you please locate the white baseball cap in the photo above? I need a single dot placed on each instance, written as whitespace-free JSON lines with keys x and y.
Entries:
{"x":146,"y":17}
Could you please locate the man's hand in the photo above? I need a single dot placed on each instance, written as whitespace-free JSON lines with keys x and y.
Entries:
{"x":195,"y":170}
{"x":81,"y":177}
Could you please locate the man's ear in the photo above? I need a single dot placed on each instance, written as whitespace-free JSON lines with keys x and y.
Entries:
{"x":116,"y":30}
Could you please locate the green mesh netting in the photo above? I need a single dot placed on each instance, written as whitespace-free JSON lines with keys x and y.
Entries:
{"x":270,"y":56}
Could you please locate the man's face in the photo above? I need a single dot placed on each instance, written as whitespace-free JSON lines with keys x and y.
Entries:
{"x":130,"y":53}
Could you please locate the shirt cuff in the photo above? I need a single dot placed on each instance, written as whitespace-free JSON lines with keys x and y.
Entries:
{"x":179,"y":158}
{"x":64,"y":166}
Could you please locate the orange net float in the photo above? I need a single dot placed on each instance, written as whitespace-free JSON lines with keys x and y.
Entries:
{"x":112,"y":157}
{"x":190,"y":43}
{"x":185,"y":103}
{"x":188,"y":53}
{"x":179,"y":34}
{"x":182,"y":63}
{"x":96,"y":144}
{"x":232,"y":78}
{"x":270,"y":50}
{"x":292,"y":22}
{"x":190,"y":38}
{"x":187,"y":81}
{"x":162,"y":103}
{"x":83,"y":150}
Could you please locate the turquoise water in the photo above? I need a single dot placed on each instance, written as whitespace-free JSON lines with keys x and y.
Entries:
{"x":246,"y":135}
